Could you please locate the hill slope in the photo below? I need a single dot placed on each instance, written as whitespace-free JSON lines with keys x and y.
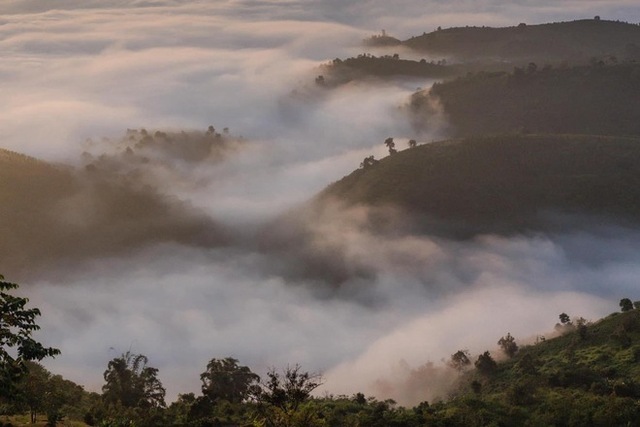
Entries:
{"x":603,"y":100}
{"x":503,"y":181}
{"x":577,"y":40}
{"x":589,"y":376}
{"x":53,"y":214}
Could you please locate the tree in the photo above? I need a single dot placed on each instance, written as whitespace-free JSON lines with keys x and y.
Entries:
{"x":42,"y":392}
{"x":390,"y":145}
{"x":564,"y":319}
{"x":281,"y":397}
{"x":17,"y":347}
{"x":460,"y":360}
{"x":485,"y":363}
{"x":508,"y":345}
{"x":130,"y":383}
{"x":581,"y":327}
{"x":413,"y":143}
{"x":626,"y":304}
{"x":225,"y":379}
{"x":368,"y":162}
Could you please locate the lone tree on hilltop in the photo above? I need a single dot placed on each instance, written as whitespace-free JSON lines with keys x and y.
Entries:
{"x":17,"y":347}
{"x":626,"y":304}
{"x":413,"y":143}
{"x":390,"y":145}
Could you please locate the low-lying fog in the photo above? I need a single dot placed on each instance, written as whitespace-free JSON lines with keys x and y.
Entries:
{"x":92,"y":69}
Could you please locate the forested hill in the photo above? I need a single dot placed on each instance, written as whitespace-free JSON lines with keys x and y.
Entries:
{"x":53,"y":215}
{"x":503,"y":182}
{"x":601,"y":99}
{"x":586,"y":377}
{"x":575,"y":40}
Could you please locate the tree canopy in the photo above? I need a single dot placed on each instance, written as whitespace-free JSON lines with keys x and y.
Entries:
{"x":17,"y":346}
{"x":132,"y":384}
{"x":225,"y":379}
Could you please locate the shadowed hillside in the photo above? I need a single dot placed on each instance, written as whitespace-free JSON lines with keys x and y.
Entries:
{"x":599,"y":99}
{"x":503,"y":181}
{"x":52,"y":215}
{"x":574,"y":41}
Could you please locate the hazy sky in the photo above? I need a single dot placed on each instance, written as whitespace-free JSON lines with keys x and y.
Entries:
{"x":73,"y":70}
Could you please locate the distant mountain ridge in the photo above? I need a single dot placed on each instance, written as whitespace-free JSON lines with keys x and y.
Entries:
{"x":574,"y":40}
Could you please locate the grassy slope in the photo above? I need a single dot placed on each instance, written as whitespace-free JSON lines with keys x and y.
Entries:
{"x":504,"y":179}
{"x":576,"y":40}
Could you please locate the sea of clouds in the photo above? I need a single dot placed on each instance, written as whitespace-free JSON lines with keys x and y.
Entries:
{"x":72,"y":71}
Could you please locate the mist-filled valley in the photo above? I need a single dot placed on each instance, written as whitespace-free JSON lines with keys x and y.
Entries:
{"x":267,"y":181}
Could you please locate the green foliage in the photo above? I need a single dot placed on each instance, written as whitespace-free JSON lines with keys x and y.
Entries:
{"x":131,"y":383}
{"x":508,"y":345}
{"x":626,"y":305}
{"x":17,"y":347}
{"x":485,"y":364}
{"x":283,"y":396}
{"x":460,"y":360}
{"x":224,"y":379}
{"x":132,"y":392}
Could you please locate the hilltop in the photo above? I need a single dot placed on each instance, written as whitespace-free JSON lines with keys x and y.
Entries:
{"x":562,"y":41}
{"x":53,"y":215}
{"x":503,"y":182}
{"x":480,"y":50}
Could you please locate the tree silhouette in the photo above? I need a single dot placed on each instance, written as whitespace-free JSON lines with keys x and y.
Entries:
{"x":626,"y":304}
{"x":130,"y":383}
{"x":390,"y":145}
{"x":368,"y":162}
{"x":508,"y":345}
{"x":225,"y":379}
{"x":413,"y":143}
{"x":460,"y":360}
{"x":485,"y":363}
{"x":17,"y":347}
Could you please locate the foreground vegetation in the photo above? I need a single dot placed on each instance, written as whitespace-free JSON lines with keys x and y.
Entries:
{"x":589,"y":375}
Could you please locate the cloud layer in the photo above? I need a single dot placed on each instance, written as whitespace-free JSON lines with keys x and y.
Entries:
{"x":93,"y":69}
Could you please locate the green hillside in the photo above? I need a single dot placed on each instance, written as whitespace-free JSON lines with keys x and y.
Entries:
{"x":590,"y":376}
{"x":598,"y":99}
{"x":575,"y":41}
{"x":503,"y":181}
